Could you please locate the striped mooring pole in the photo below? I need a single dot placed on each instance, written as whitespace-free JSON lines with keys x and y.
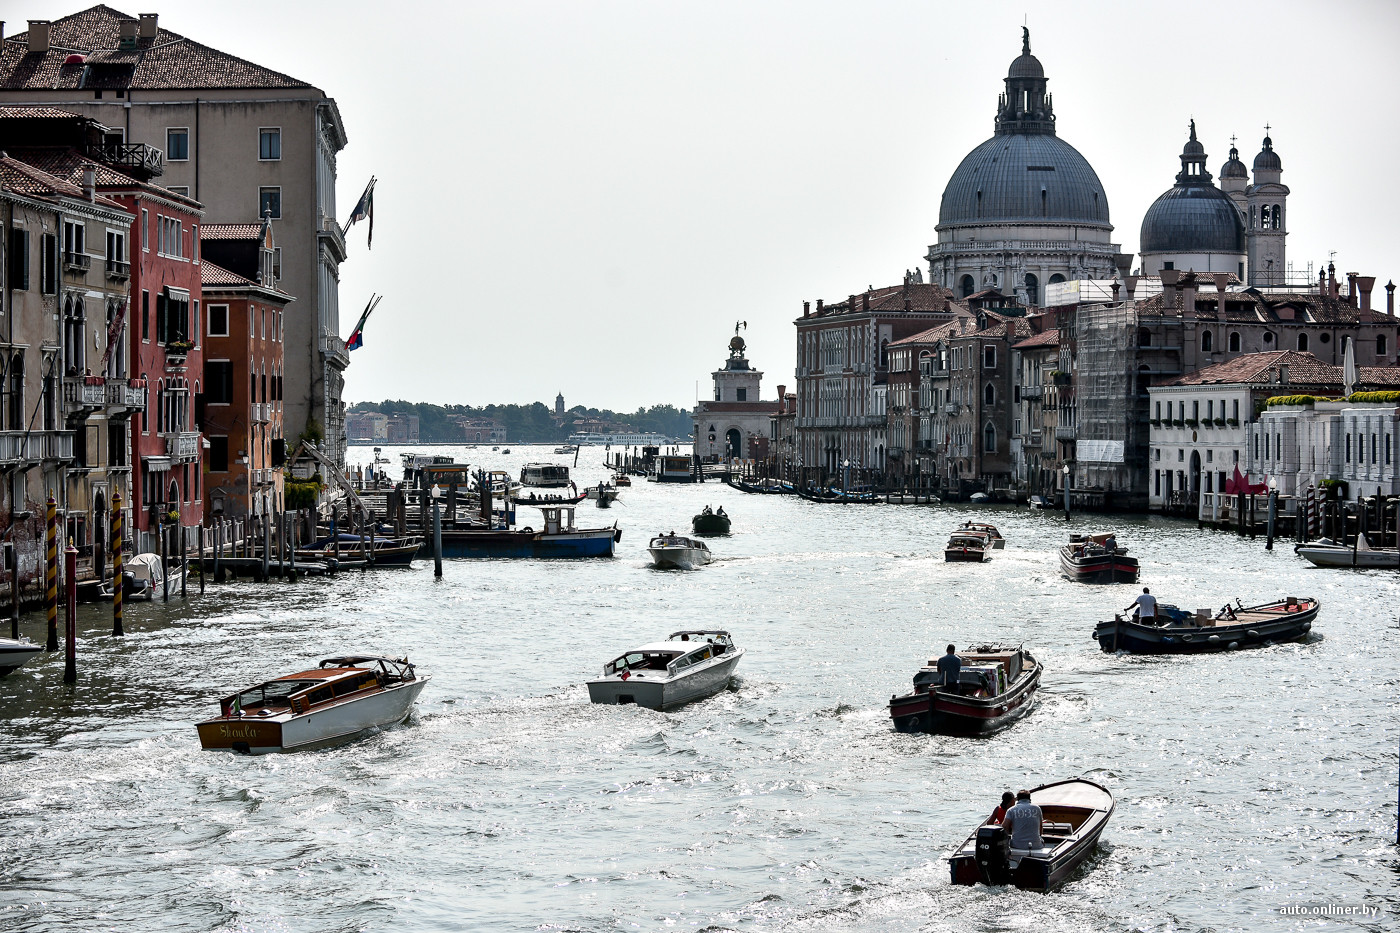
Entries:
{"x":51,"y":573}
{"x":117,"y":579}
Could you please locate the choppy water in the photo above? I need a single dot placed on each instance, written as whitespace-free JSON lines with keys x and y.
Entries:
{"x":1245,"y":783}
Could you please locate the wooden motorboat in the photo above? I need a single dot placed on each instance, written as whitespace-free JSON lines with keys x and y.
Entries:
{"x":678,"y":552}
{"x":690,"y":665}
{"x":622,"y":479}
{"x":559,"y":537}
{"x":14,"y":652}
{"x":384,"y":551}
{"x":988,"y":529}
{"x":1227,"y":629}
{"x":971,"y":546}
{"x":1097,"y":558}
{"x":603,"y":494}
{"x":996,"y":686}
{"x":846,"y":496}
{"x":340,"y":699}
{"x":710,"y":522}
{"x":1325,"y":552}
{"x":1075,"y":813}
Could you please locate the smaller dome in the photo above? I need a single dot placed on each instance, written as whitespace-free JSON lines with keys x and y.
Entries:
{"x":1196,"y":219}
{"x":1026,"y":66}
{"x":1267,"y":160}
{"x":1234,"y":168}
{"x":737,"y":344}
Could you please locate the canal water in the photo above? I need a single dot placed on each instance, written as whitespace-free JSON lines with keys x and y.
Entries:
{"x":1246,"y":784}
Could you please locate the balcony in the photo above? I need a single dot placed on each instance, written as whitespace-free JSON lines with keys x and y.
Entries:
{"x":333,"y":348}
{"x":951,"y":408}
{"x":1033,"y":391}
{"x":138,"y":159}
{"x":118,"y":271}
{"x":334,"y":237}
{"x":120,"y":395}
{"x":14,"y":446}
{"x":85,"y":392}
{"x":76,"y":262}
{"x":182,"y":447}
{"x":176,"y":352}
{"x":53,"y":445}
{"x":1065,"y":432}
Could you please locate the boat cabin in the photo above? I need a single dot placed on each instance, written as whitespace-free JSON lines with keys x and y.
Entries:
{"x":557,"y":518}
{"x":336,"y":679}
{"x":544,"y":474}
{"x":969,"y":539}
{"x":681,"y":651}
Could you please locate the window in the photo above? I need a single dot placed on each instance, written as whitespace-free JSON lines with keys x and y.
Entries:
{"x":48,"y":264}
{"x":1206,"y":340}
{"x":19,"y":259}
{"x":989,"y":394}
{"x":194,"y":242}
{"x":1234,"y":341}
{"x":1235,"y":409}
{"x":218,"y":320}
{"x":989,"y":439}
{"x":177,"y":145}
{"x":145,"y":315}
{"x":179,"y":189}
{"x":1348,"y":458}
{"x":145,"y":230}
{"x":989,"y":357}
{"x":1195,"y":411}
{"x":741,"y":395}
{"x":1168,"y":265}
{"x":16,"y":392}
{"x":1210,"y":409}
{"x":1210,"y":456}
{"x":1302,"y":341}
{"x":269,"y":144}
{"x":1381,"y":347}
{"x":966,"y":286}
{"x":1157,"y":453}
{"x":1157,"y":411}
{"x":73,"y":241}
{"x":218,"y":454}
{"x":270,"y":202}
{"x":1180,"y":455}
{"x":218,"y":376}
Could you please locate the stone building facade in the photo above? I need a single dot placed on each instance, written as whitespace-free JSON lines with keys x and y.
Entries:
{"x":737,"y":422}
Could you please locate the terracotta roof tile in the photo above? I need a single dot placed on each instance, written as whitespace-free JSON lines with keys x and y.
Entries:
{"x":1252,"y":306}
{"x":1263,"y":368}
{"x":933,"y":334}
{"x":26,"y":112}
{"x":230,"y":232}
{"x":167,"y":60}
{"x":23,"y":178}
{"x":68,"y":164}
{"x":1046,"y":338}
{"x":210,"y":274}
{"x":923,"y":297}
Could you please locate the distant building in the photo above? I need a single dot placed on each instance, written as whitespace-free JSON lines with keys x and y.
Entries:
{"x":367,"y":426}
{"x":559,"y":405}
{"x":482,"y":430}
{"x":737,"y":423}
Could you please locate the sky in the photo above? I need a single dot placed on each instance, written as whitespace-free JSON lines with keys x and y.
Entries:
{"x":585,"y":197}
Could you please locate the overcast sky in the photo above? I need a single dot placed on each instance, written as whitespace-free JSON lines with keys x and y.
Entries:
{"x":584,"y":197}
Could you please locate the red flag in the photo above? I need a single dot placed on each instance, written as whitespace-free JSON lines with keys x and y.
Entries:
{"x":626,"y":674}
{"x":1239,"y":485}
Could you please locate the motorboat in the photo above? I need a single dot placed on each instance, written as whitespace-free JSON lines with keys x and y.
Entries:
{"x":979,"y":498}
{"x":566,"y":449}
{"x":1180,"y":632}
{"x":710,"y":522}
{"x":1074,"y":815}
{"x":506,"y":451}
{"x":385,"y":551}
{"x":1325,"y":552}
{"x":988,"y":529}
{"x":14,"y":652}
{"x":601,"y":493}
{"x":622,"y":479}
{"x":970,"y":546}
{"x":1097,"y":558}
{"x":996,"y":686}
{"x":559,"y":537}
{"x":690,"y":665}
{"x":678,"y":552}
{"x":1040,"y":502}
{"x":340,"y":699}
{"x":546,"y":475}
{"x":144,"y":576}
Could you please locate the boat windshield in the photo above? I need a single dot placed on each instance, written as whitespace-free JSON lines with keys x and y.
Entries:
{"x":641,"y":661}
{"x":276,"y":694}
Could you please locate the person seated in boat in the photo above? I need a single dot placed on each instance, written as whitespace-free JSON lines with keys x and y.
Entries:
{"x":720,"y":513}
{"x":1146,"y":607}
{"x":706,"y":511}
{"x":1022,"y":823}
{"x":949,"y":669}
{"x":1008,"y":800}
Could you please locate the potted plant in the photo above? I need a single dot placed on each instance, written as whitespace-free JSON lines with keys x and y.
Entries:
{"x":179,"y":347}
{"x":1191,"y":422}
{"x":1156,"y":422}
{"x":1179,"y":423}
{"x":1220,"y":422}
{"x":1233,"y":422}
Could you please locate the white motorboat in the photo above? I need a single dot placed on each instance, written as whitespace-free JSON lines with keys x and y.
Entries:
{"x":1325,"y":552}
{"x":342,"y":698}
{"x":690,"y":665}
{"x":678,"y":552}
{"x":14,"y":652}
{"x":546,"y":475}
{"x":145,"y":578}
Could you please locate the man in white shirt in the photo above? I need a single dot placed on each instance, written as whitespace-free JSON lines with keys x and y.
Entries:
{"x":1146,"y":607}
{"x":1022,"y":823}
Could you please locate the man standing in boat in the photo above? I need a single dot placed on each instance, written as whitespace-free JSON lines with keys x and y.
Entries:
{"x":1146,"y":607}
{"x":949,"y":668}
{"x":1022,"y":823}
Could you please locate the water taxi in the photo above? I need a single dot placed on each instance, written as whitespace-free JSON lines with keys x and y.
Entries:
{"x":966,"y":545}
{"x":14,"y":652}
{"x":1074,"y":813}
{"x":690,"y":665}
{"x":996,"y":686}
{"x":988,"y":529}
{"x":678,"y":552}
{"x":1324,"y":552}
{"x":547,"y":475}
{"x":340,"y":699}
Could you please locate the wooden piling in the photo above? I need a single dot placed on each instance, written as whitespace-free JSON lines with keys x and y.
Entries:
{"x":201,"y":559}
{"x":51,"y":572}
{"x":218,"y":551}
{"x":184,"y":561}
{"x":118,"y":577}
{"x":266,"y":544}
{"x":12,"y":567}
{"x":70,"y":616}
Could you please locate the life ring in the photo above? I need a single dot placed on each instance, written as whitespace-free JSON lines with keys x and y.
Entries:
{"x":1188,"y":637}
{"x":528,"y":530}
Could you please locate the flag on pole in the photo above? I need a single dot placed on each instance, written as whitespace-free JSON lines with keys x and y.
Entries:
{"x":364,"y":208}
{"x":1239,"y":485}
{"x":357,"y":339}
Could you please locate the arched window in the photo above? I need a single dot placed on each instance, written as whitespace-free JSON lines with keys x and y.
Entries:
{"x":1277,"y":217}
{"x":967,"y":286}
{"x":989,"y":438}
{"x":1302,"y":341}
{"x":989,"y":394}
{"x":1207,"y":341}
{"x":1032,"y":289}
{"x":1056,"y":279}
{"x":1252,"y":216}
{"x":1234,"y":341}
{"x":1264,"y":217}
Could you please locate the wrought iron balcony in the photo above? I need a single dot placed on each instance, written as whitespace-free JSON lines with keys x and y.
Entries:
{"x":76,"y":262}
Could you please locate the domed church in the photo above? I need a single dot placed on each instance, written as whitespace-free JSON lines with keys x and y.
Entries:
{"x":1024,"y":209}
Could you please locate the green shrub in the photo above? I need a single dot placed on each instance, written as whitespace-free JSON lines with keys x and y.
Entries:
{"x":301,"y":493}
{"x":1383,"y":397}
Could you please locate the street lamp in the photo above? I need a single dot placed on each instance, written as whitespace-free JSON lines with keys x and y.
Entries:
{"x":847,"y":464}
{"x":1065,"y":470}
{"x":437,"y":530}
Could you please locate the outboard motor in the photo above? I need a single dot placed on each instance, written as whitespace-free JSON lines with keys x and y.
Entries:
{"x":991,"y":854}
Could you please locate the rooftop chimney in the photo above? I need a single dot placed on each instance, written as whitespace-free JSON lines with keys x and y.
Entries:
{"x":1332,"y":280}
{"x":1130,"y":282}
{"x":806,"y":309}
{"x":1351,"y":288}
{"x":1283,"y":374}
{"x":865,"y":302}
{"x":1188,"y":294}
{"x":149,"y":25}
{"x":1364,"y":284}
{"x":38,"y":35}
{"x":127,"y":32}
{"x":908,"y":305}
{"x":1390,"y":298}
{"x":782,"y":397}
{"x":1222,"y":279}
{"x":1116,"y":286}
{"x":948,"y":303}
{"x":820,"y":303}
{"x":89,"y":181}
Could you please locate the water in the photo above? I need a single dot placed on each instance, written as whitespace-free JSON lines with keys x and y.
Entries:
{"x":1245,"y":783}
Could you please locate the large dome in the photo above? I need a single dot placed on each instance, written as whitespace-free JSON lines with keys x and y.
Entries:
{"x":1022,"y":178}
{"x":1197,"y":219}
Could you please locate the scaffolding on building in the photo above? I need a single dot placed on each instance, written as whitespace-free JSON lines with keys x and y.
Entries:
{"x":1105,"y":396}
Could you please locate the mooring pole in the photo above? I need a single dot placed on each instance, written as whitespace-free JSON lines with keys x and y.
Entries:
{"x":437,"y":535}
{"x":118,"y":578}
{"x":164,"y":561}
{"x":201,"y":559}
{"x":1273,"y":514}
{"x":70,"y":615}
{"x":266,"y":543}
{"x":51,"y":573}
{"x":12,"y":566}
{"x":371,"y":539}
{"x":218,"y":551}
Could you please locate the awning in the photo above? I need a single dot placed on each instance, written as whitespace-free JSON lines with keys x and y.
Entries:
{"x":155,"y":464}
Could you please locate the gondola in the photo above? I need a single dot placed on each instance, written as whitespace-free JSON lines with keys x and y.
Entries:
{"x":767,"y":487}
{"x":1075,"y":813}
{"x":840,"y":496}
{"x":1240,"y":626}
{"x":1097,"y":558}
{"x":996,"y":686}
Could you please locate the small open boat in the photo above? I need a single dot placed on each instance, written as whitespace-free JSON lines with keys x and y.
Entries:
{"x":340,"y":699}
{"x":144,"y":577}
{"x":1325,"y":552}
{"x":996,"y":686}
{"x":14,"y":652}
{"x":622,"y":479}
{"x":968,"y":546}
{"x":832,"y":494}
{"x":386,"y":551}
{"x":691,"y":665}
{"x":988,"y":529}
{"x":678,"y":552}
{"x":1075,"y":813}
{"x":710,"y":522}
{"x":1097,"y":558}
{"x":1232,"y":627}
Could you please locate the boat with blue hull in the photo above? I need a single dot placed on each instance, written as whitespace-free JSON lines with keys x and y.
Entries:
{"x":559,"y":538}
{"x":1176,"y":631}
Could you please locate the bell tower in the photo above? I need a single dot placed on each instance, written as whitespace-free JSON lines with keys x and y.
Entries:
{"x":1267,"y":225}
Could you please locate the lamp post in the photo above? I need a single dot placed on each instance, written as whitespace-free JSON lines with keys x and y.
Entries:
{"x":846,"y":487}
{"x":1273,"y":511}
{"x":437,"y":530}
{"x":1065,"y":470}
